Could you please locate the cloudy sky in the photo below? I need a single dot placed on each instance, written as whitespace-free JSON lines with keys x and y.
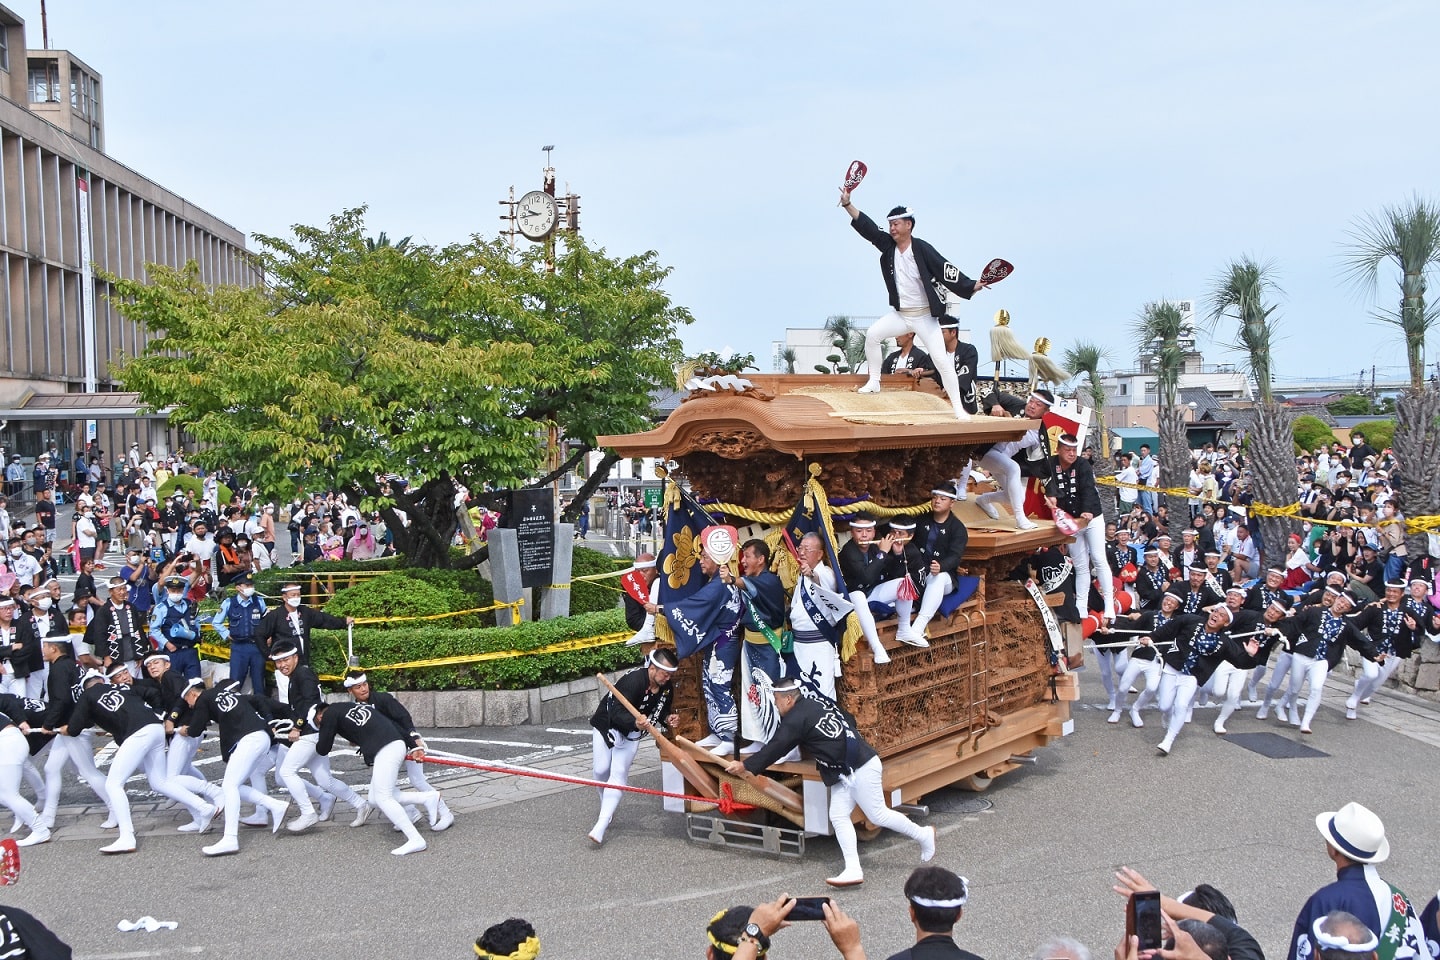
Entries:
{"x":1115,"y":152}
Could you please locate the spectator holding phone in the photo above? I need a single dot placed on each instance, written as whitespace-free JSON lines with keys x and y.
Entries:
{"x":743,"y":933}
{"x":1205,"y":904}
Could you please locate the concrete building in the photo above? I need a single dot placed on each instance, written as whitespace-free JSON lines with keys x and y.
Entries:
{"x":67,"y":212}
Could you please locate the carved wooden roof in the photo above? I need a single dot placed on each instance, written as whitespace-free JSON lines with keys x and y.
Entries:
{"x":806,"y":414}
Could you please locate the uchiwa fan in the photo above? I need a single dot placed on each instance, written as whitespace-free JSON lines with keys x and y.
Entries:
{"x":1003,"y":345}
{"x":1042,"y":368}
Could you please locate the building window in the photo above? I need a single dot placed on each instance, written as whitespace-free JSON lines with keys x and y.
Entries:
{"x":45,"y":82}
{"x":4,"y":47}
{"x":1124,"y":389}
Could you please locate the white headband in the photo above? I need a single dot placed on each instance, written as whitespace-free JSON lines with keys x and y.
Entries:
{"x":862,"y":524}
{"x":944,"y":904}
{"x":356,"y":681}
{"x":937,"y":492}
{"x":905,"y":214}
{"x":1072,"y":442}
{"x":643,"y":565}
{"x":655,"y":662}
{"x":1329,"y":941}
{"x":1036,"y":396}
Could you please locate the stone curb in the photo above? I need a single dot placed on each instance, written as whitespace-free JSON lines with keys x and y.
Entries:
{"x":556,"y":703}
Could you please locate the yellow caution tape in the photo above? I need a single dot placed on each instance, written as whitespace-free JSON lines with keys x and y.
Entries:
{"x":564,"y":646}
{"x":514,"y":607}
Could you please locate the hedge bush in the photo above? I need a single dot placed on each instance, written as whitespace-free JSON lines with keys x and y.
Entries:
{"x":193,"y":486}
{"x":392,"y":595}
{"x":586,"y":597}
{"x":269,"y":582}
{"x":1310,"y":432}
{"x":402,"y":644}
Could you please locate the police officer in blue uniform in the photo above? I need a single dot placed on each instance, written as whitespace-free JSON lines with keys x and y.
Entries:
{"x":237,"y":622}
{"x":175,"y":627}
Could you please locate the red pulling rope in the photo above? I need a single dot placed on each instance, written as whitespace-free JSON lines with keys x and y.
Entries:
{"x":727,"y":804}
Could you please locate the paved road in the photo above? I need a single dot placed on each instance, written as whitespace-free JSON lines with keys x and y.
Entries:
{"x":1039,"y":858}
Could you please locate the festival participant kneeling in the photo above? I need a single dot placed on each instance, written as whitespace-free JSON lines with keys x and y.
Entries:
{"x":384,"y":746}
{"x":617,"y":734}
{"x":940,"y":540}
{"x":872,"y":572}
{"x":140,"y":740}
{"x":847,"y":765}
{"x":244,"y":724}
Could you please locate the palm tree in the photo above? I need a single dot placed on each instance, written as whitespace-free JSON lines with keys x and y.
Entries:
{"x":1239,"y":293}
{"x":1407,"y":236}
{"x":1085,"y":357}
{"x":848,"y":341}
{"x":1158,"y":331}
{"x":375,"y":243}
{"x":788,"y":357}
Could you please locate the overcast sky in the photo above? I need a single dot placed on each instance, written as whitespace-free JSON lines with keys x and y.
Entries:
{"x":1116,"y":153}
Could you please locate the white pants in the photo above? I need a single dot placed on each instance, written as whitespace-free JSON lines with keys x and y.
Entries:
{"x":80,"y":751}
{"x":1150,"y":670}
{"x":1283,"y":665}
{"x":302,"y":754}
{"x":1228,"y":683}
{"x":1007,"y":472}
{"x":14,"y":752}
{"x":1177,"y":695}
{"x":927,"y":330}
{"x":1375,"y":676}
{"x":887,"y":592}
{"x":1304,"y":668}
{"x":383,"y":793}
{"x":144,"y":748}
{"x":936,"y":586}
{"x":252,"y":750}
{"x":612,"y":765}
{"x":1108,"y":662}
{"x":1087,"y":552}
{"x":863,"y":789}
{"x":180,"y":757}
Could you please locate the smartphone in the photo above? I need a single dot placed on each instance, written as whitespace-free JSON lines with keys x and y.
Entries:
{"x":1142,"y":919}
{"x":808,"y":908}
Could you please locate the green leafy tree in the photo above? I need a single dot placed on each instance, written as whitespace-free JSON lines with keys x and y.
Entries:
{"x":1240,"y":294}
{"x":1309,"y":433}
{"x":1407,"y":237}
{"x":1351,"y":405}
{"x":443,"y":365}
{"x":1378,"y":433}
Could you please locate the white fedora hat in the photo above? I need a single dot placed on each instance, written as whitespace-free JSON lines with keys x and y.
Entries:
{"x":1355,"y":831}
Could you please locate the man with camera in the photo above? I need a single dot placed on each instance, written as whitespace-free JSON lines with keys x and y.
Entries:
{"x":743,"y":933}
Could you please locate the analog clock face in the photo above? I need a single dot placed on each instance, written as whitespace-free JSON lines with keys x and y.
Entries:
{"x":535,"y":215}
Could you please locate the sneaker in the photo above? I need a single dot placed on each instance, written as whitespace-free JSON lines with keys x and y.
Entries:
{"x":410,"y":846}
{"x":750,"y":748}
{"x":1164,"y":748}
{"x":223,"y":847}
{"x":110,"y":823}
{"x":1350,"y":713}
{"x":1114,"y":716}
{"x":327,"y":807}
{"x":1295,"y":716}
{"x":38,"y":834}
{"x":303,"y":822}
{"x":987,"y":508}
{"x":276,"y":809}
{"x":1025,"y":523}
{"x":362,"y":813}
{"x":911,"y":637}
{"x":847,"y":878}
{"x":207,"y":817}
{"x":1306,"y":730}
{"x":596,"y":836}
{"x":1263,"y":712}
{"x":258,"y":819}
{"x":879,"y":656}
{"x":1350,"y":706}
{"x":432,"y":806}
{"x":723,"y":749}
{"x":1135,"y":720}
{"x":870,"y":386}
{"x":708,"y":742}
{"x":1220,"y":728}
{"x":927,"y":844}
{"x":446,"y":818}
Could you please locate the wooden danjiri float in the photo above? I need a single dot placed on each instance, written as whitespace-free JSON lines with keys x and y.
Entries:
{"x":973,"y":705}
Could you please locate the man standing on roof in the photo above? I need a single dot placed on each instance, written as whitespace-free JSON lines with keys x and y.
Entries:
{"x":916,"y":278}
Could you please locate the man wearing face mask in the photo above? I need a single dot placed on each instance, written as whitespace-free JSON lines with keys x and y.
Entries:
{"x":85,"y":532}
{"x":117,"y":632}
{"x":41,"y":621}
{"x":175,"y":628}
{"x":25,"y":567}
{"x":293,"y":621}
{"x":238,"y":623}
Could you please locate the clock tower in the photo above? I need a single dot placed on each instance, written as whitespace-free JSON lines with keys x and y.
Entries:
{"x":538,"y":215}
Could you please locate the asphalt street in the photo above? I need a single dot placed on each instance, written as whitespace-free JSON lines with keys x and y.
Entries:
{"x":1039,"y":848}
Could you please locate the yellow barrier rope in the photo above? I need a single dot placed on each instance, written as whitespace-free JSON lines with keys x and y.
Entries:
{"x":564,"y":646}
{"x":1425,"y":524}
{"x":513,"y":606}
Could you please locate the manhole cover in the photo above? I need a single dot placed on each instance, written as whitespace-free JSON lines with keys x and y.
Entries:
{"x":1274,"y":746}
{"x":957,"y":801}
